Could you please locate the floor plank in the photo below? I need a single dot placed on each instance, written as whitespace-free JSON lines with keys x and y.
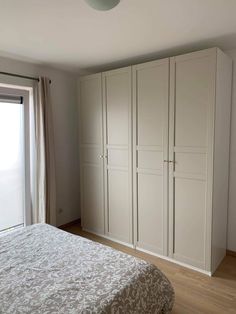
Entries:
{"x":194,"y":292}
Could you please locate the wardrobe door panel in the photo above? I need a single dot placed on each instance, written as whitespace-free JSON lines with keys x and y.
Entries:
{"x":193,"y":79}
{"x":150,"y":159}
{"x":150,"y":146}
{"x":118,"y":158}
{"x":91,"y":110}
{"x":150,"y":88}
{"x":91,"y":151}
{"x":119,"y":204}
{"x":190,"y":153}
{"x":150,"y":213}
{"x":190,"y":199}
{"x":93,"y":216}
{"x":118,"y":106}
{"x":118,"y":172}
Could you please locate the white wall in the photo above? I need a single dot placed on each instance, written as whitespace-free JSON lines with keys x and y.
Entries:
{"x":63,"y":92}
{"x":232,"y":170}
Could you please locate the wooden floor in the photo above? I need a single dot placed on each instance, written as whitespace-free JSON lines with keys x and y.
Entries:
{"x":194,"y":292}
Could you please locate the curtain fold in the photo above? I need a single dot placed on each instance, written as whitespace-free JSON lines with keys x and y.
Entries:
{"x":44,"y":200}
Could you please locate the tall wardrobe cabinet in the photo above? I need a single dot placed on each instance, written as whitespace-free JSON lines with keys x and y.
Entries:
{"x":105,"y":133}
{"x":154,"y":156}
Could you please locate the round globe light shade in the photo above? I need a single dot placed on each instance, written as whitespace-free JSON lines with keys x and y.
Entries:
{"x":102,"y":5}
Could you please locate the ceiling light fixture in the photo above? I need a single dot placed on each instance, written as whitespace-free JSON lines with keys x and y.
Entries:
{"x":102,"y":5}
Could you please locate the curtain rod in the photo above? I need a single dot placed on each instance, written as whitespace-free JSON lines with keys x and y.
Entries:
{"x":23,"y":76}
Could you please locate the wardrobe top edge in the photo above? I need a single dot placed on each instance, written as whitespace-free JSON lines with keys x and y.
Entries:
{"x":136,"y":65}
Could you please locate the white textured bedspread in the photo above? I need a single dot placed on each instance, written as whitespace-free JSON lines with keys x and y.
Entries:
{"x":46,"y":270}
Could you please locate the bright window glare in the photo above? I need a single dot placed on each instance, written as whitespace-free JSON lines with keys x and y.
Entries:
{"x":11,"y":165}
{"x":10,"y":135}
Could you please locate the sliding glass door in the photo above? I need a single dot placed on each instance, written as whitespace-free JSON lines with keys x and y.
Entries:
{"x":13,"y":149}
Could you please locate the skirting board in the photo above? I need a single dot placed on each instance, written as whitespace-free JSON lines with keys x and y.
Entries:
{"x":231,"y":253}
{"x":175,"y":262}
{"x":151,"y":253}
{"x":78,"y":221}
{"x":69,"y":224}
{"x":110,"y":238}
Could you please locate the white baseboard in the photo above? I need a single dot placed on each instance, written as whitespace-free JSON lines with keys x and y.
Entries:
{"x":110,"y":238}
{"x":169,"y":259}
{"x":118,"y":241}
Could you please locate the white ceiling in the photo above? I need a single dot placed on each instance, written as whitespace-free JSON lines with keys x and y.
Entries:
{"x":70,"y":35}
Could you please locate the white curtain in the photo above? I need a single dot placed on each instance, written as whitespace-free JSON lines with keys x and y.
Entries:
{"x":43,"y":172}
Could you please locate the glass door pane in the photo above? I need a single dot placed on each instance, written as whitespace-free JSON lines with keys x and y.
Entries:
{"x":12,"y":174}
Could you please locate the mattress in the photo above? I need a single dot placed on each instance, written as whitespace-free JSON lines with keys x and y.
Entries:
{"x":47,"y":270}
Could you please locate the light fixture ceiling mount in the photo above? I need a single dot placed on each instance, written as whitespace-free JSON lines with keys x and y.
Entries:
{"x":102,"y":5}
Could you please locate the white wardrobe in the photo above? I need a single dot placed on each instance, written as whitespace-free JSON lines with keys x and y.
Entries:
{"x":154,"y":156}
{"x":105,"y":111}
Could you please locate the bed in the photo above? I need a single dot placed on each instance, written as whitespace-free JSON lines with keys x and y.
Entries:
{"x":47,"y":270}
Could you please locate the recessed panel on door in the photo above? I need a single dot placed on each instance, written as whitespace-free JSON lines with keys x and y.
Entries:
{"x":150,"y":90}
{"x":91,"y":153}
{"x":119,"y":204}
{"x":93,"y":218}
{"x":150,"y":213}
{"x":91,"y":110}
{"x":117,"y":108}
{"x":118,"y":172}
{"x":190,"y":222}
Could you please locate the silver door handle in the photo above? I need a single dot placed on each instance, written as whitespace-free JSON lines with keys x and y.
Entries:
{"x":101,"y":156}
